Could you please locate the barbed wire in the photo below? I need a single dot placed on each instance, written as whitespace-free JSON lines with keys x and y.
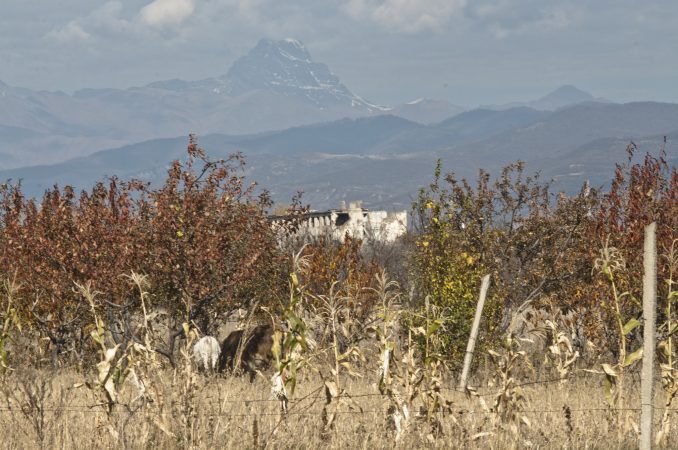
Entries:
{"x":317,"y":412}
{"x":473,"y":391}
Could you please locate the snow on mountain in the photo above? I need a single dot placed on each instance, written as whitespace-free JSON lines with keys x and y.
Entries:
{"x":283,"y":67}
{"x":426,"y":111}
{"x":417,"y":101}
{"x":276,"y":85}
{"x":286,"y":67}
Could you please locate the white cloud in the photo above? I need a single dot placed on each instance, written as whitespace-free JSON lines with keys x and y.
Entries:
{"x":409,"y":16}
{"x":102,"y":23}
{"x":505,"y":18}
{"x":162,"y":13}
{"x":551,"y":20}
{"x":71,"y":32}
{"x":493,"y":9}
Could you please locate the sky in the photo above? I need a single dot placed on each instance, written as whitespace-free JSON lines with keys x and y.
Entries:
{"x":468,"y":52}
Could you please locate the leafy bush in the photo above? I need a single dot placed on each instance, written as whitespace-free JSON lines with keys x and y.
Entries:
{"x":509,"y":227}
{"x":203,"y":240}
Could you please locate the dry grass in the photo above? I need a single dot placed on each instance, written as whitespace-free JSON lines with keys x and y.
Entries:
{"x":39,"y":409}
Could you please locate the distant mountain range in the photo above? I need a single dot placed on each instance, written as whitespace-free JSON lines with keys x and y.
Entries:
{"x":426,"y":110}
{"x":383,"y":160}
{"x":277,"y":85}
{"x":563,"y":96}
{"x":285,"y":68}
{"x":301,"y":128}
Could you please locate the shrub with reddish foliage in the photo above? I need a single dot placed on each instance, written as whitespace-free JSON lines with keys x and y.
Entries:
{"x":203,"y":240}
{"x":343,"y":263}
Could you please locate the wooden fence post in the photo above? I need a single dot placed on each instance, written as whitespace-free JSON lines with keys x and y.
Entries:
{"x":649,"y":320}
{"x":474,"y":332}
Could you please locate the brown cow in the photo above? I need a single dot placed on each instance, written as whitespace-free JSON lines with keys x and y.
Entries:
{"x":256,"y":351}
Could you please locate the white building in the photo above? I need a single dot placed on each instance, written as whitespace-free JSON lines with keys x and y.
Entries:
{"x":355,"y":221}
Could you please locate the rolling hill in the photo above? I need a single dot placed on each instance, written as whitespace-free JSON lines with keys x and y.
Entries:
{"x":384,"y":159}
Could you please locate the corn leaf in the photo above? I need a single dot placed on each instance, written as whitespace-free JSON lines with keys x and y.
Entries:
{"x":630,"y":326}
{"x":609,"y":371}
{"x":633,"y":357}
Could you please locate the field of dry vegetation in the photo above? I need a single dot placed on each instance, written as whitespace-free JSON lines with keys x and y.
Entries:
{"x":573,"y":415}
{"x":104,"y":294}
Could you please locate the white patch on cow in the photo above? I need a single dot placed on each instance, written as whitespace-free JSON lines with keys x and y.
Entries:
{"x":206,"y":353}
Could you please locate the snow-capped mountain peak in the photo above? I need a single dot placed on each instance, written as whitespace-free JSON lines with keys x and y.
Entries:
{"x":286,"y":67}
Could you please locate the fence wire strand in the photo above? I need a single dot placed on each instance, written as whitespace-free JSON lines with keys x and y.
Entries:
{"x":313,"y":395}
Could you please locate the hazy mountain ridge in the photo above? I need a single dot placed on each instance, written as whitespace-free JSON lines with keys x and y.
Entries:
{"x":301,"y":128}
{"x":275,"y":86}
{"x":383,"y":160}
{"x":568,"y":128}
{"x":566,"y":95}
{"x":483,"y":123}
{"x":426,"y":111}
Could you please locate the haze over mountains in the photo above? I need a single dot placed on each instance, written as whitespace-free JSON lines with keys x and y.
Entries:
{"x":301,"y":128}
{"x":563,"y":96}
{"x":275,"y":86}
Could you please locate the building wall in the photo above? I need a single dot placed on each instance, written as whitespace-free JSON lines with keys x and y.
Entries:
{"x":357,"y":222}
